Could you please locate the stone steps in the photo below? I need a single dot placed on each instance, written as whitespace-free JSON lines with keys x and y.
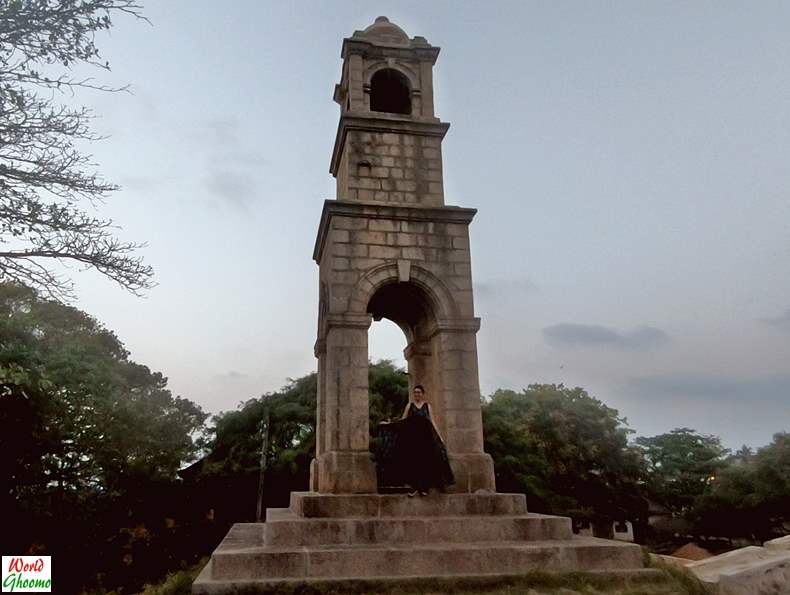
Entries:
{"x":284,"y":528}
{"x":381,"y":537}
{"x":427,"y":559}
{"x":206,"y":585}
{"x":313,"y":505}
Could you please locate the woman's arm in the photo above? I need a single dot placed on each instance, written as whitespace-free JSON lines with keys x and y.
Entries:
{"x":405,"y":410}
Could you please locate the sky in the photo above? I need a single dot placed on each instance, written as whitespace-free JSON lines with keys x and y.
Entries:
{"x":629,"y":163}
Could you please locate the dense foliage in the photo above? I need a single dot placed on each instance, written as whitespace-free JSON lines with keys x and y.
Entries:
{"x":86,"y":434}
{"x":682,"y":464}
{"x":567,"y":451}
{"x":235,"y":453}
{"x":750,"y":496}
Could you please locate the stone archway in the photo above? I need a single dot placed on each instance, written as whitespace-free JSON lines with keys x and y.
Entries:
{"x":416,"y":301}
{"x":441,"y":354}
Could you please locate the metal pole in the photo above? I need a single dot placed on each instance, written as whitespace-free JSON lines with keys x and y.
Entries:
{"x":264,"y":448}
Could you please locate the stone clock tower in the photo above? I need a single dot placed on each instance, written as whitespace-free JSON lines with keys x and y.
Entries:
{"x":389,"y":247}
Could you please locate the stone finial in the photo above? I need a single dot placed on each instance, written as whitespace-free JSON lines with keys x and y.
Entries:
{"x":383,"y":32}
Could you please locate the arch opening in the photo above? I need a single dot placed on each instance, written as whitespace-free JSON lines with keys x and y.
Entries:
{"x":390,"y":92}
{"x":413,"y":309}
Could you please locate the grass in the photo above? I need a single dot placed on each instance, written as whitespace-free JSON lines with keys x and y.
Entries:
{"x":176,"y":583}
{"x":667,"y":581}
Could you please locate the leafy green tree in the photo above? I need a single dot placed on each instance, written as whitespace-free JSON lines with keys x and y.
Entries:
{"x":77,"y":416}
{"x":567,"y":451}
{"x":235,"y":453}
{"x":750,"y":497}
{"x":90,"y":443}
{"x":681,"y":466}
{"x":45,"y":178}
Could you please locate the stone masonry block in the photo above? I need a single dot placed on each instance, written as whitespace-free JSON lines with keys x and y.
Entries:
{"x":384,"y":225}
{"x":406,"y":185}
{"x":404,"y":239}
{"x":413,"y":253}
{"x":366,"y":183}
{"x":369,"y":237}
{"x":461,"y":242}
{"x":457,"y":229}
{"x":350,"y":250}
{"x":338,"y":235}
{"x":349,"y":223}
{"x":456,"y":256}
{"x":365,"y":264}
{"x":462,"y":269}
{"x":340,"y":264}
{"x":387,"y":252}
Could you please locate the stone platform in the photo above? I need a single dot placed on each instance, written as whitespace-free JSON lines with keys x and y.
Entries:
{"x":326,"y":537}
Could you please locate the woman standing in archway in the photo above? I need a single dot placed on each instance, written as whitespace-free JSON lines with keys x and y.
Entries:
{"x":421,"y":454}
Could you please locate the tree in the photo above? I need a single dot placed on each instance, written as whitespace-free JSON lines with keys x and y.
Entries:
{"x":77,"y":416}
{"x":750,"y":497}
{"x":567,"y":451}
{"x":90,"y":442}
{"x":681,"y":465}
{"x":44,"y":177}
{"x":234,"y":459}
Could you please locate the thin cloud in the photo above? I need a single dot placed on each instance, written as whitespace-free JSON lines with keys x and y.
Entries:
{"x":234,"y":187}
{"x":231,"y":375}
{"x":568,"y":334}
{"x":232,"y":164}
{"x":781,"y":323}
{"x":504,"y":287}
{"x":774,"y":388}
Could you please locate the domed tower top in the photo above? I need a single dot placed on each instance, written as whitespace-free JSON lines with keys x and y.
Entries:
{"x":382,"y":32}
{"x":407,"y":63}
{"x":386,"y":88}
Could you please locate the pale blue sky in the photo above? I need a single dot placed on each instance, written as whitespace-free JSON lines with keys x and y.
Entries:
{"x":629,"y":161}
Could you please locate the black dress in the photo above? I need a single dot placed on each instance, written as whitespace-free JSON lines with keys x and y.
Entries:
{"x":411,"y":453}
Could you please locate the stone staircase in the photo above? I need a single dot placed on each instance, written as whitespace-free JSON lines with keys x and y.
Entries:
{"x":331,"y":537}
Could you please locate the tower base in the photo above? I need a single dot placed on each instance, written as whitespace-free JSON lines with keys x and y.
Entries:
{"x":323,"y":538}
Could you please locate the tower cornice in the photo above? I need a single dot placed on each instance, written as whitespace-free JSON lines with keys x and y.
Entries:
{"x":422,"y":51}
{"x":382,"y":122}
{"x":444,"y":214}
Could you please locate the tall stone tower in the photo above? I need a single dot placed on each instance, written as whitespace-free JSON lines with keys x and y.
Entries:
{"x":389,"y":247}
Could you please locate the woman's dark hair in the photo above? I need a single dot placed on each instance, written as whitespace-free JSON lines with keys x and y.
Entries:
{"x":420,"y":386}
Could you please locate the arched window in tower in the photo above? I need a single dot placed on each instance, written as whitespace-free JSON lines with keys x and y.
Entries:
{"x":390,"y":92}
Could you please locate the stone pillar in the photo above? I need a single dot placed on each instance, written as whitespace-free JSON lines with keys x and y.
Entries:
{"x":345,"y":464}
{"x":320,"y":418}
{"x":460,"y":406}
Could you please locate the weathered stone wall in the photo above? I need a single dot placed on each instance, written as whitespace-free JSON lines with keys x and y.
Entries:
{"x":391,"y":167}
{"x":363,"y":248}
{"x":354,"y":245}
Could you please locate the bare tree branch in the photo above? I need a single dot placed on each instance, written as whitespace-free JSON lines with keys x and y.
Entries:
{"x":44,"y":177}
